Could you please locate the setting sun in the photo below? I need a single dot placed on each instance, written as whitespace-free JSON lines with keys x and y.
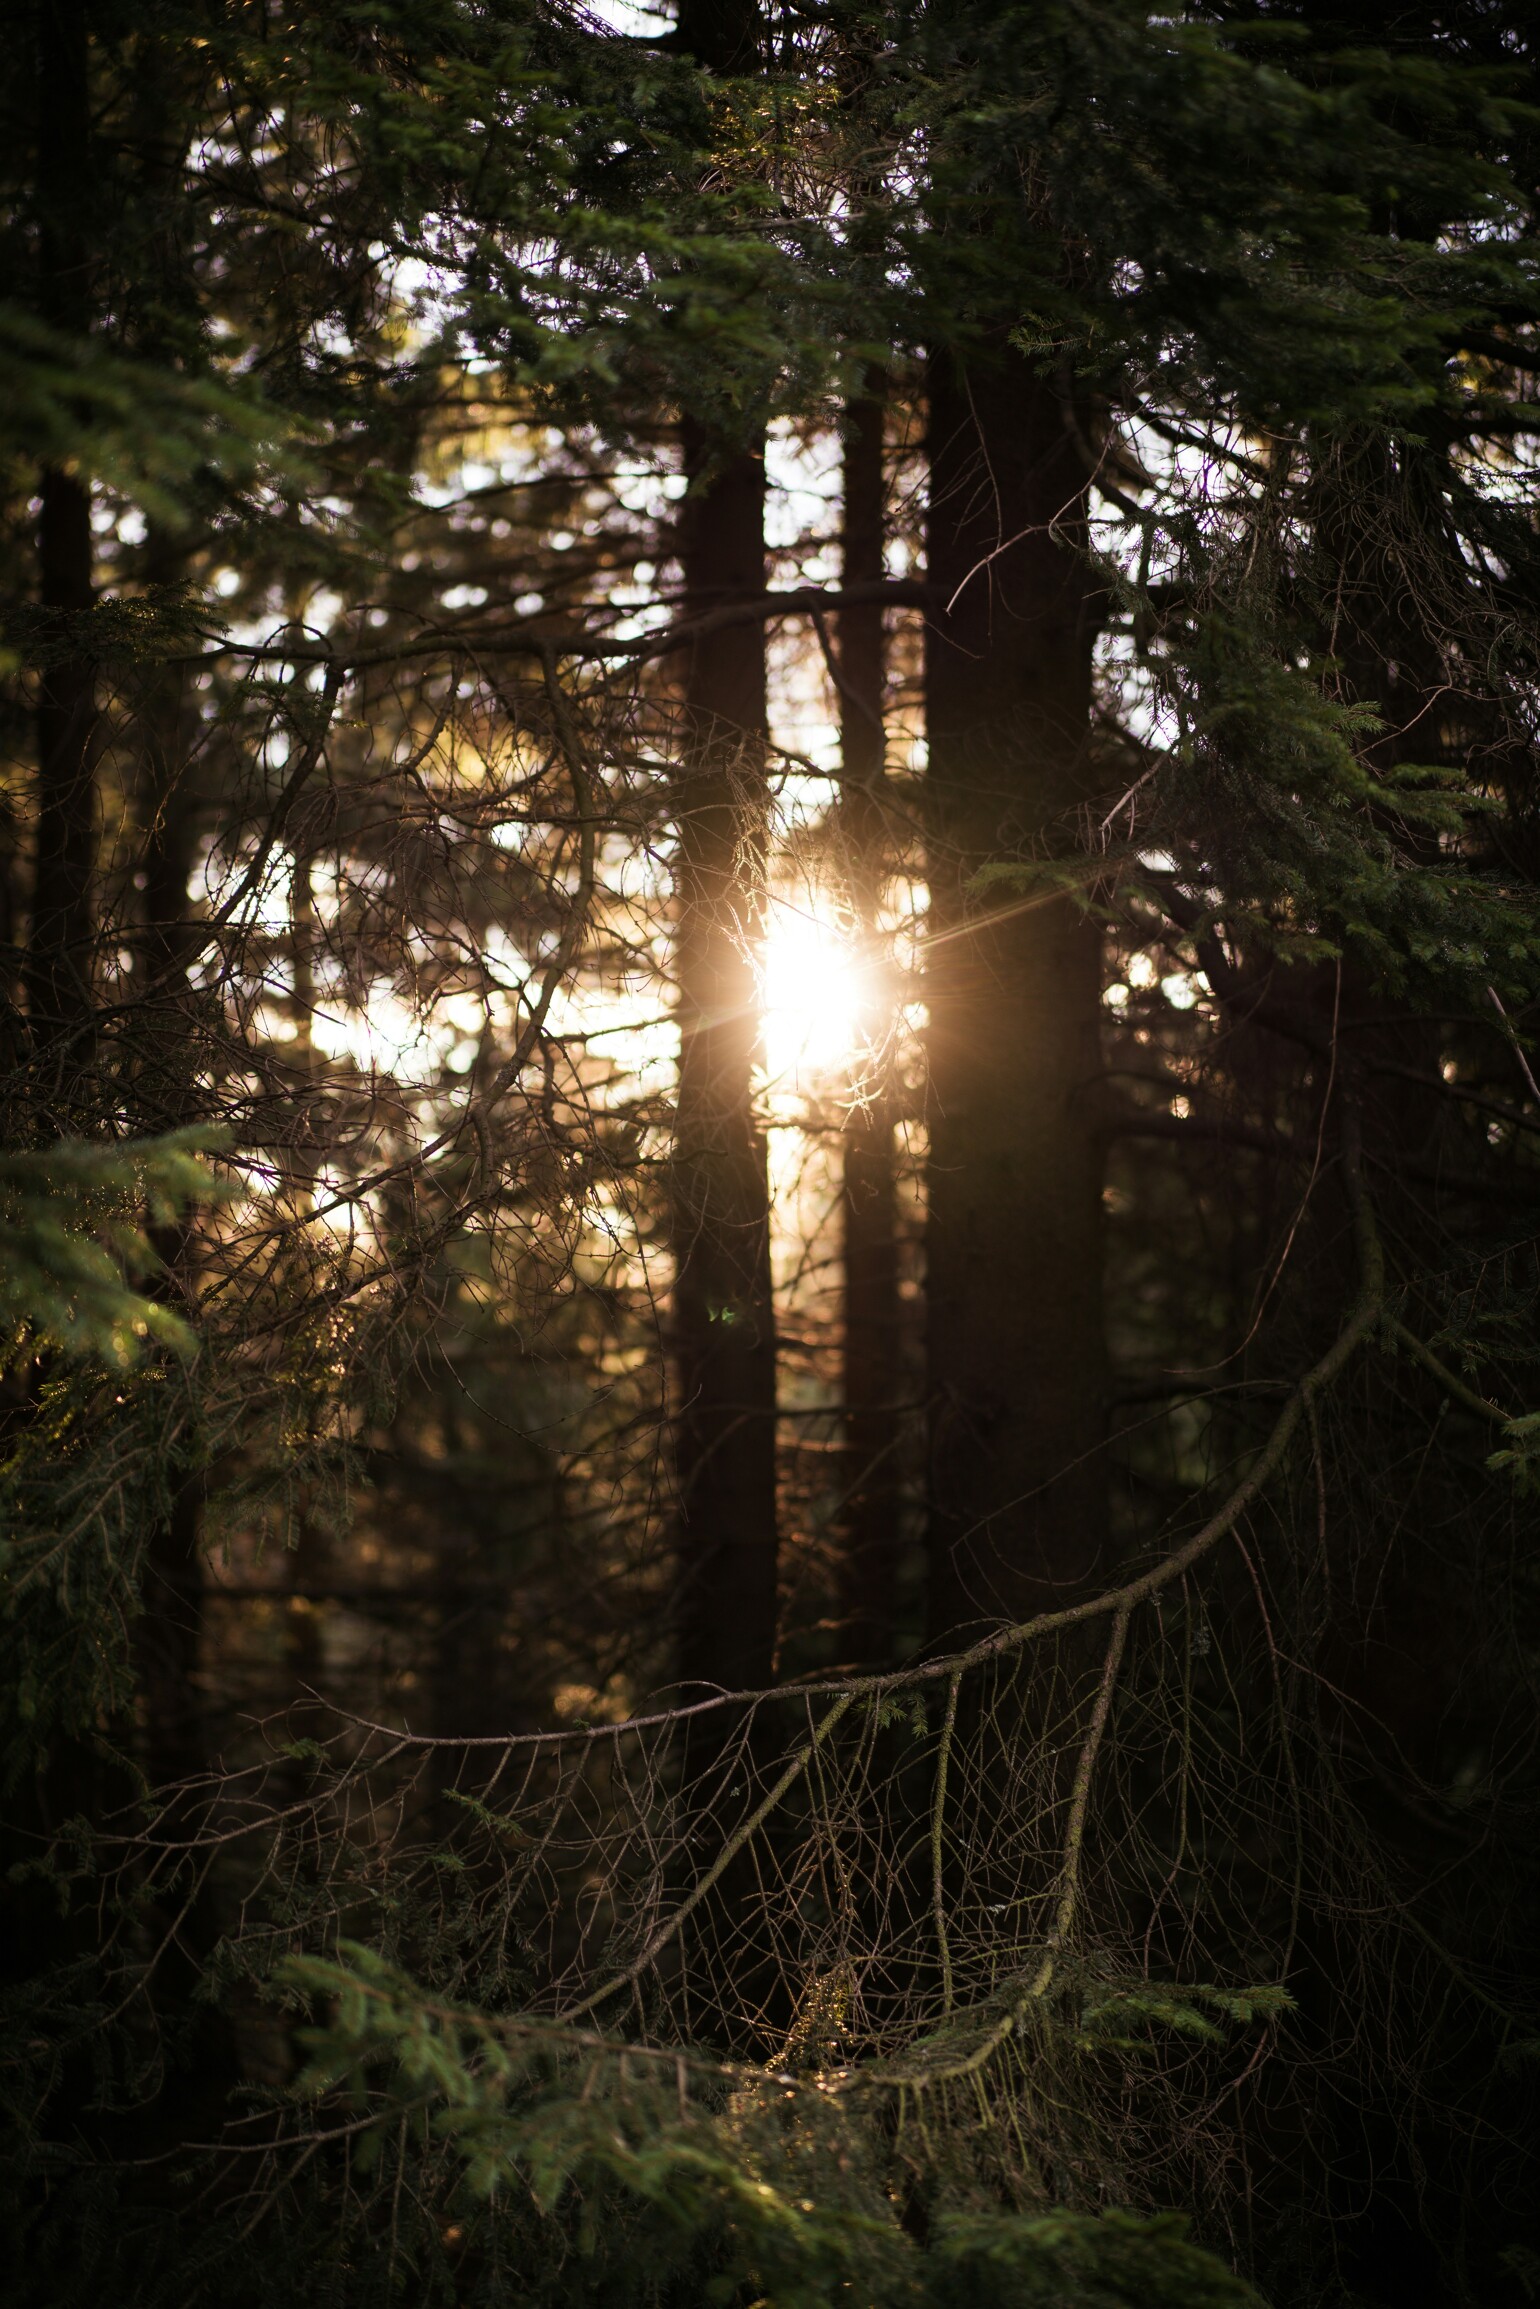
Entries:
{"x":814,"y":994}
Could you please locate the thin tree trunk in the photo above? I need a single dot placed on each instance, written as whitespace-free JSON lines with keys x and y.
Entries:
{"x":170,"y":1632}
{"x":1015,"y":1340}
{"x":59,"y":965}
{"x":724,"y":1331}
{"x":871,"y":1311}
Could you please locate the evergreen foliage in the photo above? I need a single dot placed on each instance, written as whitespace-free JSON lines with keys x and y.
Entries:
{"x":73,"y":1240}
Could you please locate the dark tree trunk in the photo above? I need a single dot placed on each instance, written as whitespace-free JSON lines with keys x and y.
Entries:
{"x":59,"y":953}
{"x":724,"y":1331}
{"x":724,"y":35}
{"x":59,"y":960}
{"x":724,"y":1325}
{"x":170,"y":1634}
{"x":169,"y":1642}
{"x":871,"y":1312}
{"x":1015,"y":1342}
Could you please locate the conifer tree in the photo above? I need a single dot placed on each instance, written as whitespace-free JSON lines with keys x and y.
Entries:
{"x":869,"y":1247}
{"x":1201,"y":1881}
{"x":1016,"y":1364}
{"x":723,"y":1317}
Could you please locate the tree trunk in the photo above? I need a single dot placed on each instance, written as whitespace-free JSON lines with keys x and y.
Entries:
{"x":871,"y":1312}
{"x":170,"y":1632}
{"x":724,"y":1325}
{"x":723,"y":1317}
{"x":59,"y":967}
{"x":1015,"y":1344}
{"x":59,"y":949}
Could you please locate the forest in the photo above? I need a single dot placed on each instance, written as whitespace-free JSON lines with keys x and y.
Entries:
{"x":770,"y":1154}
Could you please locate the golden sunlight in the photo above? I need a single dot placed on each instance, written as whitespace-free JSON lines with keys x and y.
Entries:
{"x":814,"y":994}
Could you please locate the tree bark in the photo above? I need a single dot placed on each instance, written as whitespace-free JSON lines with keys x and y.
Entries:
{"x":171,"y":1628}
{"x":724,"y":1330}
{"x":724,"y":1325}
{"x":1015,"y":1344}
{"x":59,"y":964}
{"x":871,"y":1311}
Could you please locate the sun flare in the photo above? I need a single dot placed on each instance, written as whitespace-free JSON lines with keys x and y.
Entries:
{"x":814,"y":995}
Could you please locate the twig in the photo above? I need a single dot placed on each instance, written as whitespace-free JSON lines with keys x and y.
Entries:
{"x":949,"y":2072}
{"x":724,"y":1859}
{"x":1445,"y":1377}
{"x":937,"y":1847}
{"x":1518,"y":1048}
